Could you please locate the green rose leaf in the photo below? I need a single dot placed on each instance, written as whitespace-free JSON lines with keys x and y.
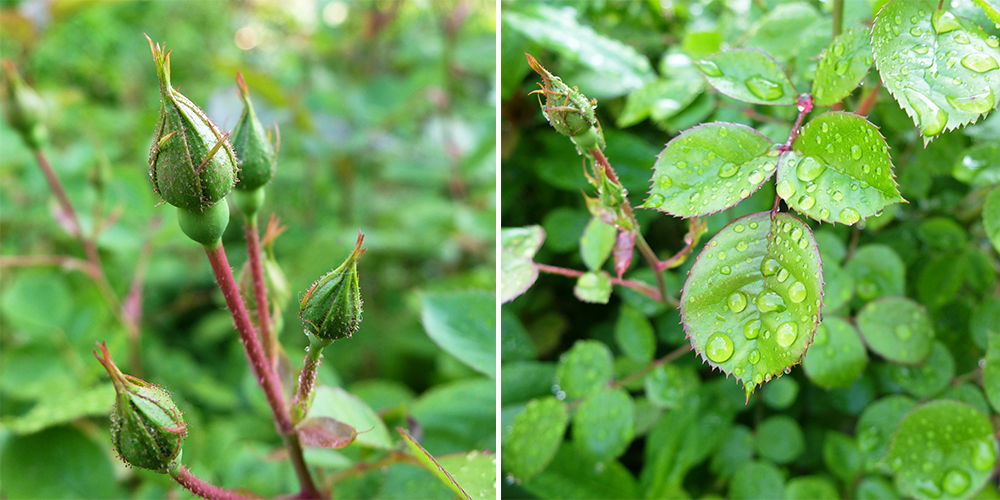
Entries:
{"x":634,"y":334}
{"x":585,"y":368}
{"x":875,"y":488}
{"x":780,"y":439}
{"x":752,"y":300}
{"x":839,"y":286}
{"x":668,"y":385}
{"x":475,"y":471}
{"x":991,"y":217}
{"x":593,"y":287}
{"x":876,"y":426}
{"x":979,"y":165}
{"x":943,"y":450}
{"x":749,"y":76}
{"x":941,"y":69}
{"x":757,"y":480}
{"x":535,"y":437}
{"x":780,"y":32}
{"x":837,"y":357}
{"x":991,"y":372}
{"x":428,"y":462}
{"x":709,"y":168}
{"x":990,"y":10}
{"x":878,"y":271}
{"x":660,"y":99}
{"x":811,"y":488}
{"x":930,"y":377}
{"x":839,"y":170}
{"x":596,"y":243}
{"x":842,"y":67}
{"x":518,"y":271}
{"x":603,"y":424}
{"x":841,"y":456}
{"x":898,"y":329}
{"x":463,"y":324}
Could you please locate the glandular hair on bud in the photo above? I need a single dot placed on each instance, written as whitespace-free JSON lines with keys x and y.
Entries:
{"x":192,"y":164}
{"x":331,"y":308}
{"x":147,"y":428}
{"x":255,"y":152}
{"x":568,"y":110}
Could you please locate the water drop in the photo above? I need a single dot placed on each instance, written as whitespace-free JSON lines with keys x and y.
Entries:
{"x":728,"y":170}
{"x":984,"y":456}
{"x":654,"y":201}
{"x":956,"y":81}
{"x":786,"y":189}
{"x":838,"y":49}
{"x":722,"y":255}
{"x":824,"y":127}
{"x":737,"y":302}
{"x":665,"y":182}
{"x":916,"y":31}
{"x":898,"y":20}
{"x":944,"y":21}
{"x":753,"y":225}
{"x":797,"y":292}
{"x":921,"y":49}
{"x":719,"y":347}
{"x":980,"y":63}
{"x":769,"y":301}
{"x":744,"y":193}
{"x":726,"y":270}
{"x":763,"y":88}
{"x":824,"y":213}
{"x":681,"y":164}
{"x":961,"y":38}
{"x":782,"y":275}
{"x":796,"y":233}
{"x":849,"y":216}
{"x":955,"y":482}
{"x":751,"y":329}
{"x":821,"y":335}
{"x":809,"y":169}
{"x":755,"y":177}
{"x":758,"y":378}
{"x":739,"y":228}
{"x":769,"y":267}
{"x":842,"y":66}
{"x":754,"y":357}
{"x":786,"y":334}
{"x":856,"y":152}
{"x":903,"y":332}
{"x":837,"y":196}
{"x":708,"y":67}
{"x":806,"y":202}
{"x":723,"y":131}
{"x":741,"y":246}
{"x":932,"y":118}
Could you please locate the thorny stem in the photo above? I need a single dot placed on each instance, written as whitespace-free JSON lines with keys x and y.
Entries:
{"x":262,"y":370}
{"x":869,"y":100}
{"x":638,"y":286}
{"x":644,"y":249}
{"x":267,"y":336}
{"x":195,"y":485}
{"x":805,"y":106}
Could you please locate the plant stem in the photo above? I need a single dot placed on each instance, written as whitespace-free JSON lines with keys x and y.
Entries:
{"x":838,"y":17}
{"x":268,"y":338}
{"x":638,"y":286}
{"x":307,"y":378}
{"x":869,"y":100}
{"x":676,"y":353}
{"x":195,"y":485}
{"x":262,"y":370}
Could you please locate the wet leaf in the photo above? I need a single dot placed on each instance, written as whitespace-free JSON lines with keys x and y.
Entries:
{"x":428,"y":462}
{"x":991,"y":372}
{"x":596,"y":243}
{"x":603,"y":424}
{"x":837,"y":356}
{"x":661,"y":99}
{"x":979,"y":165}
{"x":574,"y":475}
{"x":943,"y":450}
{"x":842,"y":67}
{"x":634,"y":334}
{"x":709,"y":168}
{"x":668,"y":385}
{"x":464,"y":325}
{"x":940,"y":68}
{"x":325,"y":432}
{"x":594,"y":287}
{"x":756,"y":480}
{"x":517,"y":267}
{"x":749,"y":76}
{"x":991,"y":217}
{"x":780,"y":439}
{"x":838,"y":171}
{"x":752,"y":300}
{"x":780,"y":31}
{"x":535,"y":437}
{"x":585,"y":368}
{"x":878,"y":271}
{"x":475,"y":471}
{"x":811,"y":488}
{"x":898,"y":329}
{"x":841,"y":456}
{"x":876,"y":426}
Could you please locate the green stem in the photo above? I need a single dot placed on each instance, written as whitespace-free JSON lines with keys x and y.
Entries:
{"x":307,"y":378}
{"x":838,"y":17}
{"x":262,"y":370}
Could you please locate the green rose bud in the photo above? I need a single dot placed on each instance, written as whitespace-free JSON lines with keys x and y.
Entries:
{"x":147,"y":428}
{"x":25,"y":108}
{"x":191,"y":163}
{"x":569,"y":111}
{"x":253,"y":147}
{"x":331,"y":309}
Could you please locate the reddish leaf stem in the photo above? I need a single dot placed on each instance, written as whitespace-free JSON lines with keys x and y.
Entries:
{"x":676,"y":353}
{"x":262,"y":370}
{"x":195,"y":485}
{"x":268,"y":338}
{"x":638,"y":286}
{"x":869,"y":100}
{"x":805,"y":106}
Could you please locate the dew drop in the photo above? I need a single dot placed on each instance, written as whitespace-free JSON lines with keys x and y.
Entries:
{"x":744,"y":193}
{"x":837,"y":196}
{"x":916,"y":31}
{"x":755,"y":177}
{"x":769,"y":267}
{"x":665,"y":182}
{"x":809,"y":169}
{"x":856,"y":152}
{"x":797,"y":292}
{"x":769,"y":301}
{"x":722,"y":255}
{"x":932,"y":118}
{"x":786,"y":334}
{"x":681,"y":164}
{"x":751,"y":329}
{"x":723,"y":131}
{"x":737,"y":302}
{"x":984,"y":456}
{"x":806,"y":202}
{"x":961,"y":38}
{"x":803,"y":243}
{"x":944,"y":22}
{"x":782,"y":275}
{"x":955,"y":482}
{"x":754,"y":357}
{"x":739,"y":228}
{"x":786,"y":189}
{"x":992,"y":41}
{"x":728,"y":170}
{"x":741,"y":246}
{"x":758,"y":378}
{"x":719,"y":347}
{"x":753,"y":225}
{"x":708,"y":67}
{"x":824,"y":213}
{"x":979,"y":103}
{"x":849,"y":216}
{"x":903,"y":332}
{"x":824,"y":127}
{"x":763,"y":88}
{"x":654,"y":201}
{"x":838,"y":49}
{"x":980,"y":63}
{"x":726,"y":270}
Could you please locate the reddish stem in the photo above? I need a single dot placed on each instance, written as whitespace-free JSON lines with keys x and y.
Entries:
{"x":267,"y":338}
{"x":265,"y":375}
{"x":573,"y":273}
{"x":195,"y":485}
{"x":869,"y":100}
{"x":805,"y":106}
{"x":307,"y":380}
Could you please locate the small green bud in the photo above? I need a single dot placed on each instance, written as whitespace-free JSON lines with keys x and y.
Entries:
{"x":147,"y":428}
{"x":25,"y":108}
{"x":331,"y":309}
{"x":569,"y":111}
{"x":256,"y":154}
{"x":191,"y":163}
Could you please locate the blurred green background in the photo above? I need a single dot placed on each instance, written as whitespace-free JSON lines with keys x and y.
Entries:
{"x":387,"y":119}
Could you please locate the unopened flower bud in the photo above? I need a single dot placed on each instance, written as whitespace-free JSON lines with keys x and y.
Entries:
{"x":568,"y":110}
{"x":191,"y":163}
{"x":25,"y":108}
{"x":255,"y":152}
{"x":147,"y":428}
{"x":331,"y":309}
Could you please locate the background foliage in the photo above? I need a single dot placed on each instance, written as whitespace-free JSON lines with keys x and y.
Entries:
{"x":580,"y":381}
{"x":387,"y":125}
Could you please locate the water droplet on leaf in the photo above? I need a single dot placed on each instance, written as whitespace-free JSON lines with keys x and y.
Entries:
{"x":751,"y":329}
{"x":809,"y":169}
{"x":980,"y":63}
{"x":708,"y":67}
{"x":786,"y":189}
{"x":719,"y":347}
{"x":849,"y":216}
{"x":797,"y":292}
{"x":786,"y":334}
{"x":737,"y":302}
